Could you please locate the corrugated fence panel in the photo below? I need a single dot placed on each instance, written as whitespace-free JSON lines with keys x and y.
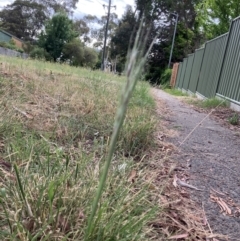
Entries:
{"x":188,"y":71}
{"x":229,"y":85}
{"x":211,"y":66}
{"x":184,"y":65}
{"x":197,"y":62}
{"x":178,"y":75}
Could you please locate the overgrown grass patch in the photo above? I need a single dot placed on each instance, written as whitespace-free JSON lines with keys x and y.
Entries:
{"x":55,"y":126}
{"x":50,"y":198}
{"x":208,"y":103}
{"x":234,"y":119}
{"x":71,"y":105}
{"x":175,"y":92}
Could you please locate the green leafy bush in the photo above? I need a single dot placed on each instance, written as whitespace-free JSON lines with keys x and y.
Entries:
{"x":166,"y":76}
{"x":28,"y":47}
{"x":79,"y":55}
{"x":73,"y":51}
{"x":38,"y":53}
{"x":3,"y":44}
{"x":90,"y":57}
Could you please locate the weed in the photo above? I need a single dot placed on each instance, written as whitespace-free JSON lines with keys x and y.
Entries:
{"x":213,"y":103}
{"x":208,"y":103}
{"x":53,"y":148}
{"x":234,"y":119}
{"x":70,"y":105}
{"x":177,"y":127}
{"x":166,"y":76}
{"x":175,"y":92}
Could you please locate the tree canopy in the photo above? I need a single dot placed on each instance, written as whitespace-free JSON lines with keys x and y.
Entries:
{"x":23,"y":18}
{"x":58,"y":31}
{"x":159,"y":22}
{"x":214,"y":16}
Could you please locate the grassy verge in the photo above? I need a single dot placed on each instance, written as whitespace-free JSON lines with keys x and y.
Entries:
{"x":175,"y":92}
{"x":208,"y":103}
{"x":55,"y":125}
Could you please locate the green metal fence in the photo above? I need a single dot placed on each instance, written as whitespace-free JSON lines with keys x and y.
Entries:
{"x":184,"y":65}
{"x":214,"y":69}
{"x":197,"y":62}
{"x":188,"y":71}
{"x":229,"y":83}
{"x":211,"y":66}
{"x":178,"y":75}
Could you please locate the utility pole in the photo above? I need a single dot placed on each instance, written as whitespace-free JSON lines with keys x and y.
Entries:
{"x":106,"y":33}
{"x":175,"y":29}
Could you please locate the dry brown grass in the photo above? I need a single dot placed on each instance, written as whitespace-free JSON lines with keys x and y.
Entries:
{"x":70,"y":106}
{"x":55,"y":125}
{"x":54,"y":132}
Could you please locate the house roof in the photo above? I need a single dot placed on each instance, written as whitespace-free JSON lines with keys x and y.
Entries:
{"x":10,"y":35}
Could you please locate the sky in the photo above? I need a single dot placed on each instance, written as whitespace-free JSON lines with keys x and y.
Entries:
{"x":93,"y":7}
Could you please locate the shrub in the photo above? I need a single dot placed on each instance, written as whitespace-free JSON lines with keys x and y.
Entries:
{"x":28,"y":47}
{"x":38,"y":53}
{"x":90,"y":57}
{"x":166,"y":76}
{"x":3,"y":44}
{"x":73,"y":52}
{"x":234,"y":119}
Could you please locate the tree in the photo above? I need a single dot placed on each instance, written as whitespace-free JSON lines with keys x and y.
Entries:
{"x":158,"y":22}
{"x":23,"y":18}
{"x":100,"y":32}
{"x":90,"y":57}
{"x":121,"y":40}
{"x":54,"y":6}
{"x":91,"y":27}
{"x":161,"y":22}
{"x":82,"y":28}
{"x":74,"y":52}
{"x":214,"y":16}
{"x":78,"y":54}
{"x":58,"y":31}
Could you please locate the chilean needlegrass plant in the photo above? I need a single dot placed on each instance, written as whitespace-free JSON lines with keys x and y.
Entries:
{"x":175,"y":92}
{"x":68,"y":180}
{"x":136,"y":61}
{"x":49,"y":195}
{"x":208,"y":103}
{"x":213,"y":103}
